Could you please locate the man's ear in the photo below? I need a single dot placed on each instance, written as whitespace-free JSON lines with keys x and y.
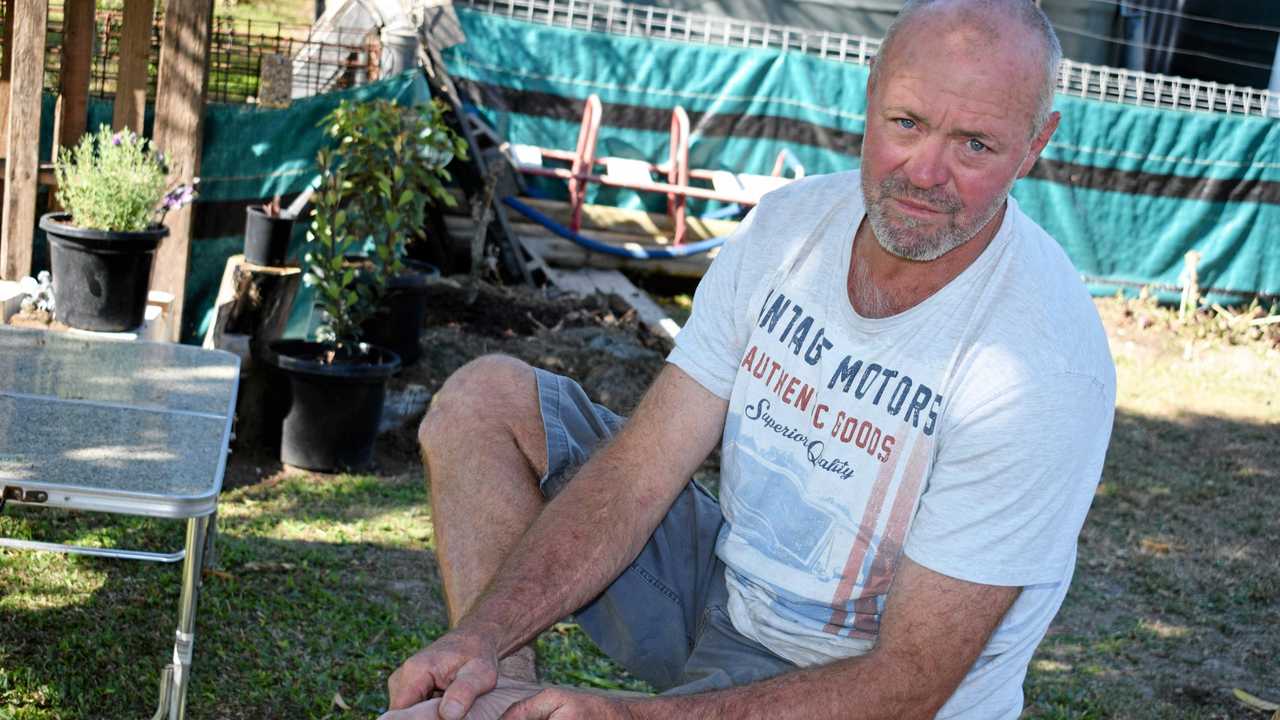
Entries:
{"x":1039,"y":143}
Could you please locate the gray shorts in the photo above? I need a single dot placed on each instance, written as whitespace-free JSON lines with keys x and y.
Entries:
{"x":664,"y":618}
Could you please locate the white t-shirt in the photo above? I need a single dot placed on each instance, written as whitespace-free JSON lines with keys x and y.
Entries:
{"x":968,"y":432}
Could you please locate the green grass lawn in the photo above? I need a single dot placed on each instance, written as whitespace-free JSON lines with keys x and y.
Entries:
{"x":324,"y":584}
{"x":287,"y":12}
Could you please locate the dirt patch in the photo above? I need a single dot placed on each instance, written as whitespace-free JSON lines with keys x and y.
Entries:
{"x":595,"y":340}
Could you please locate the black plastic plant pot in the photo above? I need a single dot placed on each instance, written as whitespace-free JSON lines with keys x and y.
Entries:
{"x":334,"y":409}
{"x":398,"y":323}
{"x":100,"y":278}
{"x":266,"y":238}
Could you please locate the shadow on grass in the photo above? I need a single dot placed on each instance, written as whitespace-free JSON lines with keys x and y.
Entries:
{"x":1177,"y":589}
{"x":282,"y":626}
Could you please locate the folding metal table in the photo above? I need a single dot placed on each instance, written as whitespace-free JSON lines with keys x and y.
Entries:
{"x":114,"y":426}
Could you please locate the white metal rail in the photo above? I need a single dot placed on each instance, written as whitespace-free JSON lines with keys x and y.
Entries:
{"x":1078,"y":79}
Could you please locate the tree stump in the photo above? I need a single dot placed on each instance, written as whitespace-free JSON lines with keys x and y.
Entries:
{"x":252,"y":309}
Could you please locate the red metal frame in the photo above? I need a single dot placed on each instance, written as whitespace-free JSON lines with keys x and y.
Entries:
{"x":584,"y":159}
{"x":583,"y":163}
{"x":678,"y":171}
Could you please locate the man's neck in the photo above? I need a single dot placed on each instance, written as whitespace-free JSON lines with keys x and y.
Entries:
{"x":881,"y":284}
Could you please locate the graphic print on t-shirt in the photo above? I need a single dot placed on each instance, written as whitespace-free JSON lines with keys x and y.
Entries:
{"x":829,"y":452}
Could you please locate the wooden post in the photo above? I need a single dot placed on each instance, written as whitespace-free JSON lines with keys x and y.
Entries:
{"x":77,"y":55}
{"x":30,"y":19}
{"x":184,"y":50}
{"x":72,"y":113}
{"x":135,"y":55}
{"x":6,"y":71}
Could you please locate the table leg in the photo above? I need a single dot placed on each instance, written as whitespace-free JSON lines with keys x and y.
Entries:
{"x":184,"y":637}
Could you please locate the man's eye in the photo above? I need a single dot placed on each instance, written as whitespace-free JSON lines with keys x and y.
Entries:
{"x":976,"y":146}
{"x":905,"y":123}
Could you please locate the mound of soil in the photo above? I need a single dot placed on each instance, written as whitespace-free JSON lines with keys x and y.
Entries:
{"x":596,"y":340}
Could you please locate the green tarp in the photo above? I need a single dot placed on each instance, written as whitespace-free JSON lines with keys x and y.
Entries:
{"x":1126,"y":190}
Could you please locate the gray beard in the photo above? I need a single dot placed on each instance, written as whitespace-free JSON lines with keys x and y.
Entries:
{"x":906,"y":237}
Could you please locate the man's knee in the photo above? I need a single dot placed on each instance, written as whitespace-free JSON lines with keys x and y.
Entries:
{"x":480,"y":390}
{"x":490,"y":394}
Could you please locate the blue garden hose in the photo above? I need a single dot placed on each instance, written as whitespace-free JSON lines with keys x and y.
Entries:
{"x":637,"y":253}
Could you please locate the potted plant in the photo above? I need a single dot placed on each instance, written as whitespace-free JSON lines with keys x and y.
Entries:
{"x":366,"y":203}
{"x":101,"y":247}
{"x":381,"y":135}
{"x":267,"y":231}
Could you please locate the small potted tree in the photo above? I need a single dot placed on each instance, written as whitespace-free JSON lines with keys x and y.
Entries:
{"x":416,"y":144}
{"x":101,"y":247}
{"x":362,"y":210}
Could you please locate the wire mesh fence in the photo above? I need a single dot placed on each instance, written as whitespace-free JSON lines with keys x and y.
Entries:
{"x":670,"y":24}
{"x":336,"y":60}
{"x":236,"y":52}
{"x":1075,"y":78}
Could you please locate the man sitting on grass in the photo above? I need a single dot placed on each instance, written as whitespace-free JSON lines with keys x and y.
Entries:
{"x":913,"y":396}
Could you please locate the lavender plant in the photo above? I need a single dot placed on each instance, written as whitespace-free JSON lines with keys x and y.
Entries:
{"x":116,"y":182}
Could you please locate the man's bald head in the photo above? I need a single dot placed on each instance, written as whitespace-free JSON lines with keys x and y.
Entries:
{"x":989,"y":22}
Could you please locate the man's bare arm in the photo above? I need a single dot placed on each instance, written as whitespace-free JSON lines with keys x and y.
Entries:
{"x":580,"y":542}
{"x":933,"y":629}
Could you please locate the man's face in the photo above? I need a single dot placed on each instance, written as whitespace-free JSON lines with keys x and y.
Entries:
{"x":949,"y":121}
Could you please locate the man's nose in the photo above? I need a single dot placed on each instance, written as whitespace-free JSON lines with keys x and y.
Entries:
{"x":927,"y":166}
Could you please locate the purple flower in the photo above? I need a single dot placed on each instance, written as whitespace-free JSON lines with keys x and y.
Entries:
{"x":117,"y":138}
{"x":177,"y":197}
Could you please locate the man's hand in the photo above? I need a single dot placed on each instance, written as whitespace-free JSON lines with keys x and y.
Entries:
{"x":489,"y":706}
{"x":560,"y":704}
{"x":461,"y":665}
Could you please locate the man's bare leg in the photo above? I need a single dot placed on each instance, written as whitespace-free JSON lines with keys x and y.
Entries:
{"x":484,"y":449}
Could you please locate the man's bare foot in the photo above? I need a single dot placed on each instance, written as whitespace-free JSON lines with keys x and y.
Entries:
{"x":520,"y":665}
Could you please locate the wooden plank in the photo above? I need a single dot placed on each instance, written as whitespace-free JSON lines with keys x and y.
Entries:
{"x":605,"y":217}
{"x":586,"y":281}
{"x":72,"y":114}
{"x":30,"y":20}
{"x":562,"y":253}
{"x":135,"y":56}
{"x":184,"y":50}
{"x":6,"y":71}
